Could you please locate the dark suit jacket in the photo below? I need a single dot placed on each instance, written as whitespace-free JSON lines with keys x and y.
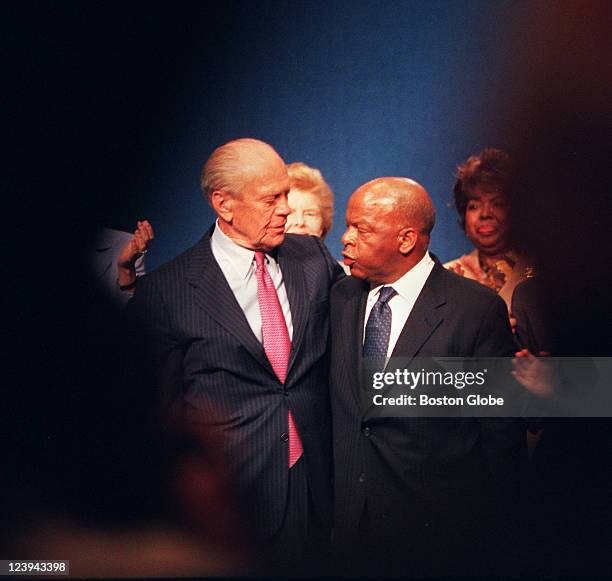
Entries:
{"x":419,"y":474}
{"x":208,"y":355}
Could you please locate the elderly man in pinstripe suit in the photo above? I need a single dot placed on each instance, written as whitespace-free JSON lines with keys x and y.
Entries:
{"x":239,"y":325}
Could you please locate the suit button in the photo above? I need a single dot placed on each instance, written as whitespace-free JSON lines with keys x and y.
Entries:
{"x":286,"y":393}
{"x":367,"y":432}
{"x":362,"y":477}
{"x":285,"y":437}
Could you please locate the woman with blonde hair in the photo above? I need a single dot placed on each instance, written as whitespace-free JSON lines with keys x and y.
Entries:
{"x":311,"y":201}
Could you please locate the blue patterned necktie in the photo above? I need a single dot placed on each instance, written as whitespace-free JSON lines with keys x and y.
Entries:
{"x":378,"y":330}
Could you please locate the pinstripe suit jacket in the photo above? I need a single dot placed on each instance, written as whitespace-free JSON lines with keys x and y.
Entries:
{"x":415,"y":472}
{"x":210,"y":360}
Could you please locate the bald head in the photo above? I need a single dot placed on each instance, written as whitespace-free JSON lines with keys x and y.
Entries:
{"x":403,"y":196}
{"x":233,"y":165}
{"x":389,"y":221}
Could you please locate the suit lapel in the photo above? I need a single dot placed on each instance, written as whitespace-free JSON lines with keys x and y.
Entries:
{"x":425,"y":316}
{"x":350,"y":335}
{"x":295,"y":284}
{"x":216,"y":298}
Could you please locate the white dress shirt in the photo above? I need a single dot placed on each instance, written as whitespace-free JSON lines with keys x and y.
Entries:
{"x":408,"y":289}
{"x":238,"y":266}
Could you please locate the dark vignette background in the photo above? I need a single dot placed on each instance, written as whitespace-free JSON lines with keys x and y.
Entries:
{"x":111,"y":109}
{"x":122,"y":103}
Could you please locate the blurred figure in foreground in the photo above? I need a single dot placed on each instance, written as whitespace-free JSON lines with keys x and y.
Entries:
{"x":94,"y":478}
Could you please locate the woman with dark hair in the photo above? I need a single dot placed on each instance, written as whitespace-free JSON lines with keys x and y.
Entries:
{"x":483,"y":191}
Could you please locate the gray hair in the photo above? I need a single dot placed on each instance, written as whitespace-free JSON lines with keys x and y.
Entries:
{"x":230,"y":165}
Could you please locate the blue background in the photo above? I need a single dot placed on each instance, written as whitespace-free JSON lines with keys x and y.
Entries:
{"x":359,"y":89}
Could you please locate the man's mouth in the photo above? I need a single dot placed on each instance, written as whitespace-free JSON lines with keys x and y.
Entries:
{"x":348,"y":260}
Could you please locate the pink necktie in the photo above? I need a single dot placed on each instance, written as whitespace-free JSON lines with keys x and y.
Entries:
{"x":276,"y":342}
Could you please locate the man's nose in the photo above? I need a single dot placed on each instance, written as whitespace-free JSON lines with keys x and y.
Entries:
{"x":282,"y":208}
{"x":346,"y":237}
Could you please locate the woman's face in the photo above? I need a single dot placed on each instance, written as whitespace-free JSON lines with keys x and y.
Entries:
{"x":306,"y":216}
{"x":487,"y":221}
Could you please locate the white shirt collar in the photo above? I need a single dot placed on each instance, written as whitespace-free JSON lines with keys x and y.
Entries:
{"x":415,"y":277}
{"x":239,"y":257}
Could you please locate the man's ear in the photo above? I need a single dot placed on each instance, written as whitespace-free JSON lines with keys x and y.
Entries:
{"x":407,"y":239}
{"x":223,"y":204}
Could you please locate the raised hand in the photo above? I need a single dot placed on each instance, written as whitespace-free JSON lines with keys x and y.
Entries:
{"x":132,"y":251}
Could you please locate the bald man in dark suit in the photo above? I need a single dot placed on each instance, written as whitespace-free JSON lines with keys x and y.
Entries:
{"x":419,"y":495}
